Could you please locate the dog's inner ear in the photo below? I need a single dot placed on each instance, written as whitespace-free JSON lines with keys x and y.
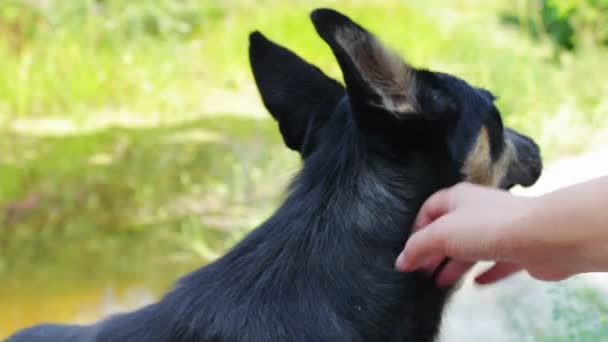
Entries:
{"x":374,"y":75}
{"x":390,"y":79}
{"x":297,"y":94}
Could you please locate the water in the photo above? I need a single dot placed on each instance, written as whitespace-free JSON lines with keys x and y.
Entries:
{"x":92,"y":223}
{"x":61,"y":296}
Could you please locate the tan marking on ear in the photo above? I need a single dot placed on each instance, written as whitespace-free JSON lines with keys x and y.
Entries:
{"x":479,"y":169}
{"x":384,"y":70}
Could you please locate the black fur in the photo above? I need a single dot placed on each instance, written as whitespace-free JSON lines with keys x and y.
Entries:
{"x":321,"y":267}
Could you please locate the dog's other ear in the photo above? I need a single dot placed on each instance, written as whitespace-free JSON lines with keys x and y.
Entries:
{"x":374,"y":75}
{"x":296,"y":93}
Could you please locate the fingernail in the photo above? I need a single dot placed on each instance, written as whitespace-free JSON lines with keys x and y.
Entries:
{"x":404,"y":263}
{"x":401,"y":263}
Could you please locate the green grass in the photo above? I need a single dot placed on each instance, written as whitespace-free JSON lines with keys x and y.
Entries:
{"x":177,"y":60}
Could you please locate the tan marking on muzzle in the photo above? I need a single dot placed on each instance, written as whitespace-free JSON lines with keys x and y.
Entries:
{"x":478,"y":167}
{"x":501,"y":167}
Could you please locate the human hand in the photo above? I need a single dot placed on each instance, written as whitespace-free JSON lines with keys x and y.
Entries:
{"x":470,"y":223}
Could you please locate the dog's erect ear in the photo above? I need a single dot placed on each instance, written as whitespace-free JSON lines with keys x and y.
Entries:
{"x":296,"y":93}
{"x":375,"y":76}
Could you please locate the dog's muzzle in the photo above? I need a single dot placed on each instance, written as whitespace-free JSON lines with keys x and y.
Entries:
{"x":527,"y":166}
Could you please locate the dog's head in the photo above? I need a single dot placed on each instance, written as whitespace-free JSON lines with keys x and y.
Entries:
{"x":391,"y":103}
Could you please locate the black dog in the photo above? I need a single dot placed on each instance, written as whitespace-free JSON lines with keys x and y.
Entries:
{"x":321,"y":268}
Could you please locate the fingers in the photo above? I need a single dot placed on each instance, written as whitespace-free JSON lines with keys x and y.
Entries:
{"x":434,"y":207}
{"x":427,"y":247}
{"x":547,"y":273}
{"x":423,"y":247}
{"x":452,"y":272}
{"x":429,"y":265}
{"x":498,"y":272}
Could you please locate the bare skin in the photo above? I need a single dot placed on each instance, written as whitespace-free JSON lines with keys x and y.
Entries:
{"x":552,"y":236}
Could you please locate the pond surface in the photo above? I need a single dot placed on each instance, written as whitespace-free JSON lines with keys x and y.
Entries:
{"x":86,"y":291}
{"x":92,"y":223}
{"x":82,"y":297}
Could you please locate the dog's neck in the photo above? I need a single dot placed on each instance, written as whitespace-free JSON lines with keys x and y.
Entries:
{"x":341,"y":227}
{"x":349,"y":190}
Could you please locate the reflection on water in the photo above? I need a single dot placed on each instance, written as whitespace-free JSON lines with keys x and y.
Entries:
{"x":82,"y":299}
{"x":97,"y":222}
{"x":81,"y":305}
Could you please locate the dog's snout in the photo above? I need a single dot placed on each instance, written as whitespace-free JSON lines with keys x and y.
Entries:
{"x":527,"y":166}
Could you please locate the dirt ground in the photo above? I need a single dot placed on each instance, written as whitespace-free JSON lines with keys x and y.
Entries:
{"x":487,"y":314}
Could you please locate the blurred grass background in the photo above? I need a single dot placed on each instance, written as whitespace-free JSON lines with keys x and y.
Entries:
{"x":133,"y":139}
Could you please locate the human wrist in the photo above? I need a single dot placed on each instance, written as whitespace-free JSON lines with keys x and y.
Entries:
{"x":527,"y":218}
{"x":561,"y":237}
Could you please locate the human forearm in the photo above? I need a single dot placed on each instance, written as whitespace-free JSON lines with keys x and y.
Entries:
{"x":570,"y":226}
